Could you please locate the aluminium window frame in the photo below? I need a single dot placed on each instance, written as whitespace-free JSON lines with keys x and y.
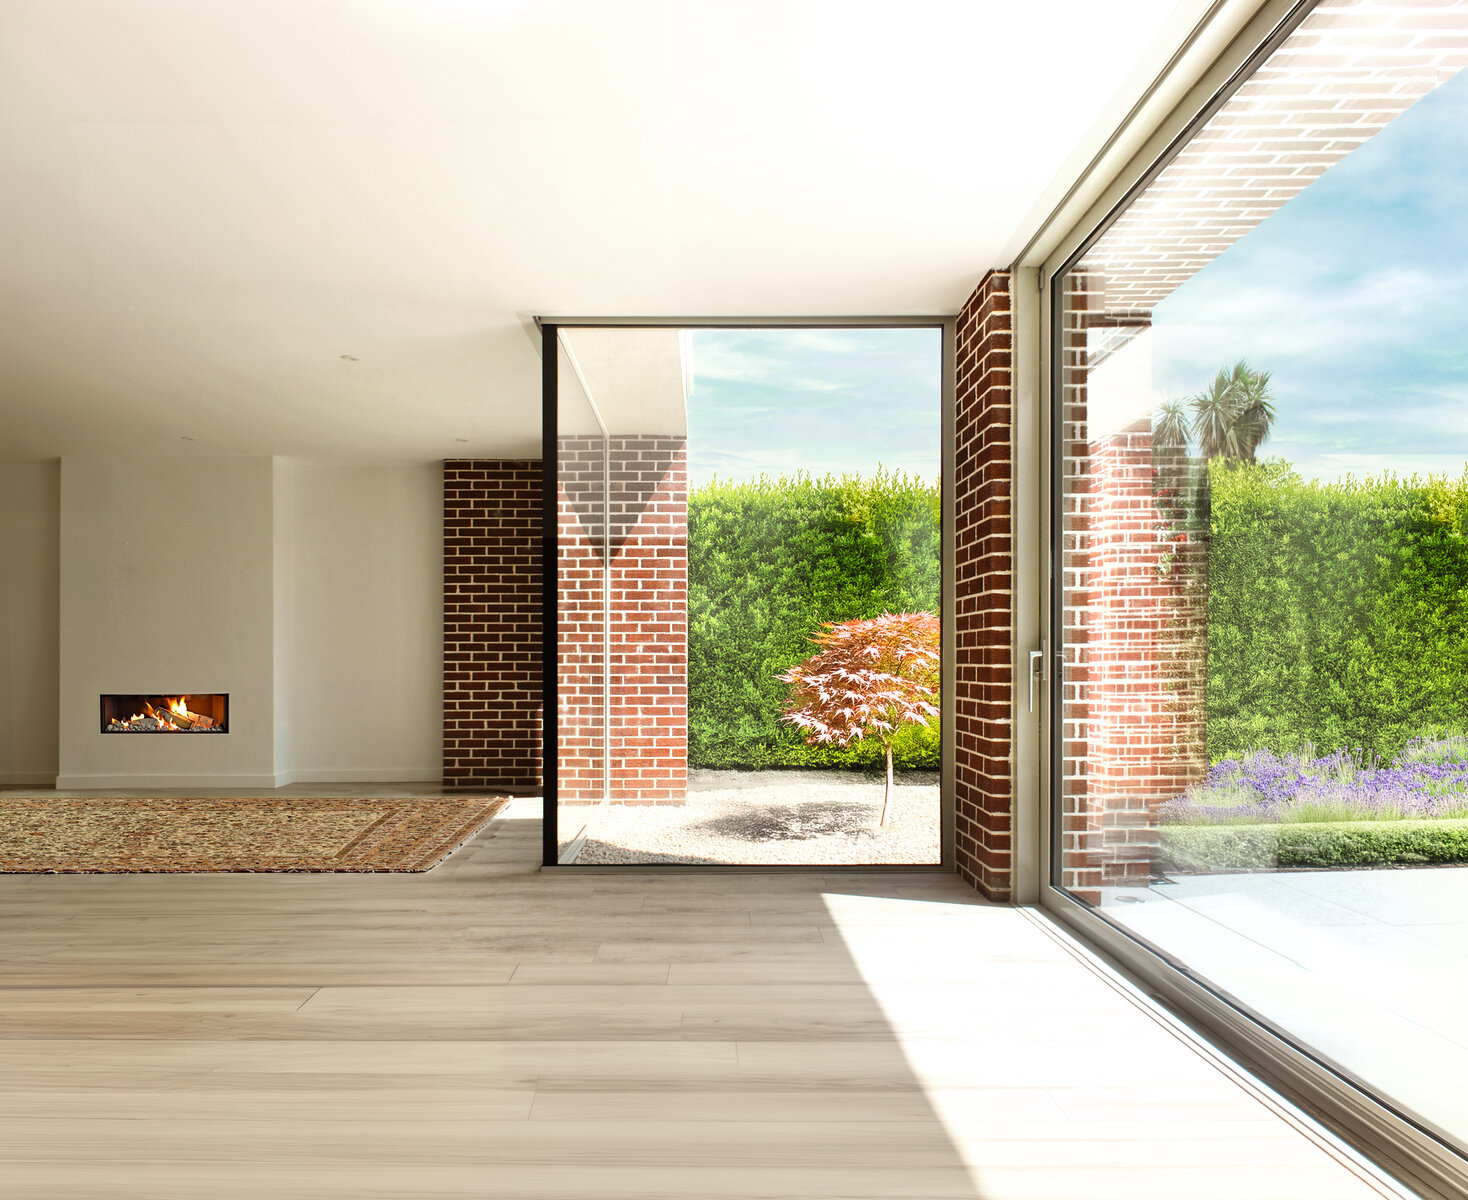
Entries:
{"x":1405,"y":1147}
{"x":549,"y":327}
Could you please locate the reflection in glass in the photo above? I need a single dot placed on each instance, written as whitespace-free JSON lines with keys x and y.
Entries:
{"x":702,"y":557}
{"x":583,"y":602}
{"x":1262,"y":602}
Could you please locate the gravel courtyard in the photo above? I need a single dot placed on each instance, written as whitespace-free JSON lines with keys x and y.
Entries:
{"x":775,"y":818}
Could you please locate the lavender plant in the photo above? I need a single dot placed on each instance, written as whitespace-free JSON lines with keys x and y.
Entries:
{"x":1428,"y":778}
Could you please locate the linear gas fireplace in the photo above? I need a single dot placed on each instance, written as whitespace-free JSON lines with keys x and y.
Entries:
{"x":193,"y":712}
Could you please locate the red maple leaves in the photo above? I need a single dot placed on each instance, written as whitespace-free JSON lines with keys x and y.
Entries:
{"x":867,"y":679}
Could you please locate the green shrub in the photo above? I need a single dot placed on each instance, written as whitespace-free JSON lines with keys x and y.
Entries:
{"x":1195,"y":849}
{"x":768,"y":563}
{"x":1337,"y":612}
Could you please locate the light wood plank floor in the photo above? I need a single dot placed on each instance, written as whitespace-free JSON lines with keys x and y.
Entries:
{"x":490,"y":1030}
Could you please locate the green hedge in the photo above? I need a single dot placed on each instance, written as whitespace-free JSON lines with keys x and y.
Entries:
{"x":1338,"y":612}
{"x":1195,"y":849}
{"x":768,"y":563}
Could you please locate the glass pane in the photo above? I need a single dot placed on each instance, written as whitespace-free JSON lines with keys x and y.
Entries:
{"x":1262,"y":595}
{"x":761,"y":485}
{"x":583,"y":601}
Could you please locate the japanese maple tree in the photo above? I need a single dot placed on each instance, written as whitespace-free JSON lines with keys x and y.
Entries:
{"x":868,"y":679}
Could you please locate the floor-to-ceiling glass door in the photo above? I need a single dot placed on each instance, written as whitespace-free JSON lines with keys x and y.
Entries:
{"x":1260,"y":554}
{"x":748,"y":594}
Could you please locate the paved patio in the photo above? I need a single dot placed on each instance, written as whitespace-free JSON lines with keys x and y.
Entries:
{"x":1368,"y":967}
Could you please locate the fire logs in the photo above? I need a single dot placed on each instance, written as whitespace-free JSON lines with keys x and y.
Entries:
{"x":170,"y":714}
{"x":177,"y":719}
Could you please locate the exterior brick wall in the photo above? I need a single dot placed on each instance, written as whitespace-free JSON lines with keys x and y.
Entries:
{"x":983,"y":617}
{"x":647,"y":543}
{"x":649,"y":510}
{"x":1135,"y":625}
{"x":580,"y":602}
{"x":1148,"y":623}
{"x":492,"y":624}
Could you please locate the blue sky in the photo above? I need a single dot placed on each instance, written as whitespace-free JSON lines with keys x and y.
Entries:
{"x":815,"y":400}
{"x":1354,"y":296}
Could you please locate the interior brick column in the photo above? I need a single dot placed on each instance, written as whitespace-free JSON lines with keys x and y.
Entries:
{"x":492,"y":624}
{"x":984,"y":616}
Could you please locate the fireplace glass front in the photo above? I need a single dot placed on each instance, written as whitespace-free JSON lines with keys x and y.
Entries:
{"x":186,"y":712}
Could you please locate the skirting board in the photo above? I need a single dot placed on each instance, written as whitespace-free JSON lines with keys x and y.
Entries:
{"x":27,"y":778}
{"x":90,"y":783}
{"x":361,"y":775}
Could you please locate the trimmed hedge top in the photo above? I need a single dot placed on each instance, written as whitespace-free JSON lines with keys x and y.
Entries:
{"x":1206,"y":849}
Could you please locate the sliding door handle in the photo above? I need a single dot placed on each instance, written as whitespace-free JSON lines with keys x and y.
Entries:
{"x":1037,"y":671}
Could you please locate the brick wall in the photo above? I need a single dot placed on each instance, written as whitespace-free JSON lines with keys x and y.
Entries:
{"x":1146,"y":655}
{"x":492,"y":623}
{"x":1135,"y":623}
{"x":581,"y":661}
{"x":1080,"y":822}
{"x":983,"y":617}
{"x":647,"y":737}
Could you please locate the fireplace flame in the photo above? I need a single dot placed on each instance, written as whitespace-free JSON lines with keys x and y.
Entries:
{"x":171,"y":715}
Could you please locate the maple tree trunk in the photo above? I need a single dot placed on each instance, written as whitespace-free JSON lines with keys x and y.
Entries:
{"x":887,"y":795}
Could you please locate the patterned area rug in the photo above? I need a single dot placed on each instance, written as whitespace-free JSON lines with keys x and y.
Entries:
{"x":185,"y":836}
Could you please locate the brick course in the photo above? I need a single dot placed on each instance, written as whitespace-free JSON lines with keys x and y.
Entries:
{"x":984,"y":591}
{"x":1135,"y":625}
{"x":492,"y":631}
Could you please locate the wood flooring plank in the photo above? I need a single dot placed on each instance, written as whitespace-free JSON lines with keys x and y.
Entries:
{"x":489,"y":1029}
{"x":912,"y":1104}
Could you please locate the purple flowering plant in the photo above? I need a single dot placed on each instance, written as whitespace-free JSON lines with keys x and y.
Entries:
{"x":1428,"y":778}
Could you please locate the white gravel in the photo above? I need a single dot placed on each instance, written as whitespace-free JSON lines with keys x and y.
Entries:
{"x":775,"y":818}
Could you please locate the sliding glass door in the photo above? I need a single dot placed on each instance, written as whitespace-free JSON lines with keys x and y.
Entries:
{"x":1260,"y":464}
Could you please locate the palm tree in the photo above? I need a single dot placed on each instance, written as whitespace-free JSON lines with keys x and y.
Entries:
{"x":1215,"y":417}
{"x":1256,"y":409}
{"x":1170,"y":427}
{"x":1234,"y":414}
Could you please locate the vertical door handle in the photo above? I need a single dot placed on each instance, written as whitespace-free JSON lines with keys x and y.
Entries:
{"x":1037,"y":671}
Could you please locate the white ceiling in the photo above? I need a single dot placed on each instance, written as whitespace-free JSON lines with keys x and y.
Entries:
{"x":206,"y":204}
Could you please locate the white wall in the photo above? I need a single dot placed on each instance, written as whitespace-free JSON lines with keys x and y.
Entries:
{"x":359,"y":554}
{"x":312,"y":593}
{"x":166,"y":586}
{"x":283,"y":572}
{"x":30,"y":632}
